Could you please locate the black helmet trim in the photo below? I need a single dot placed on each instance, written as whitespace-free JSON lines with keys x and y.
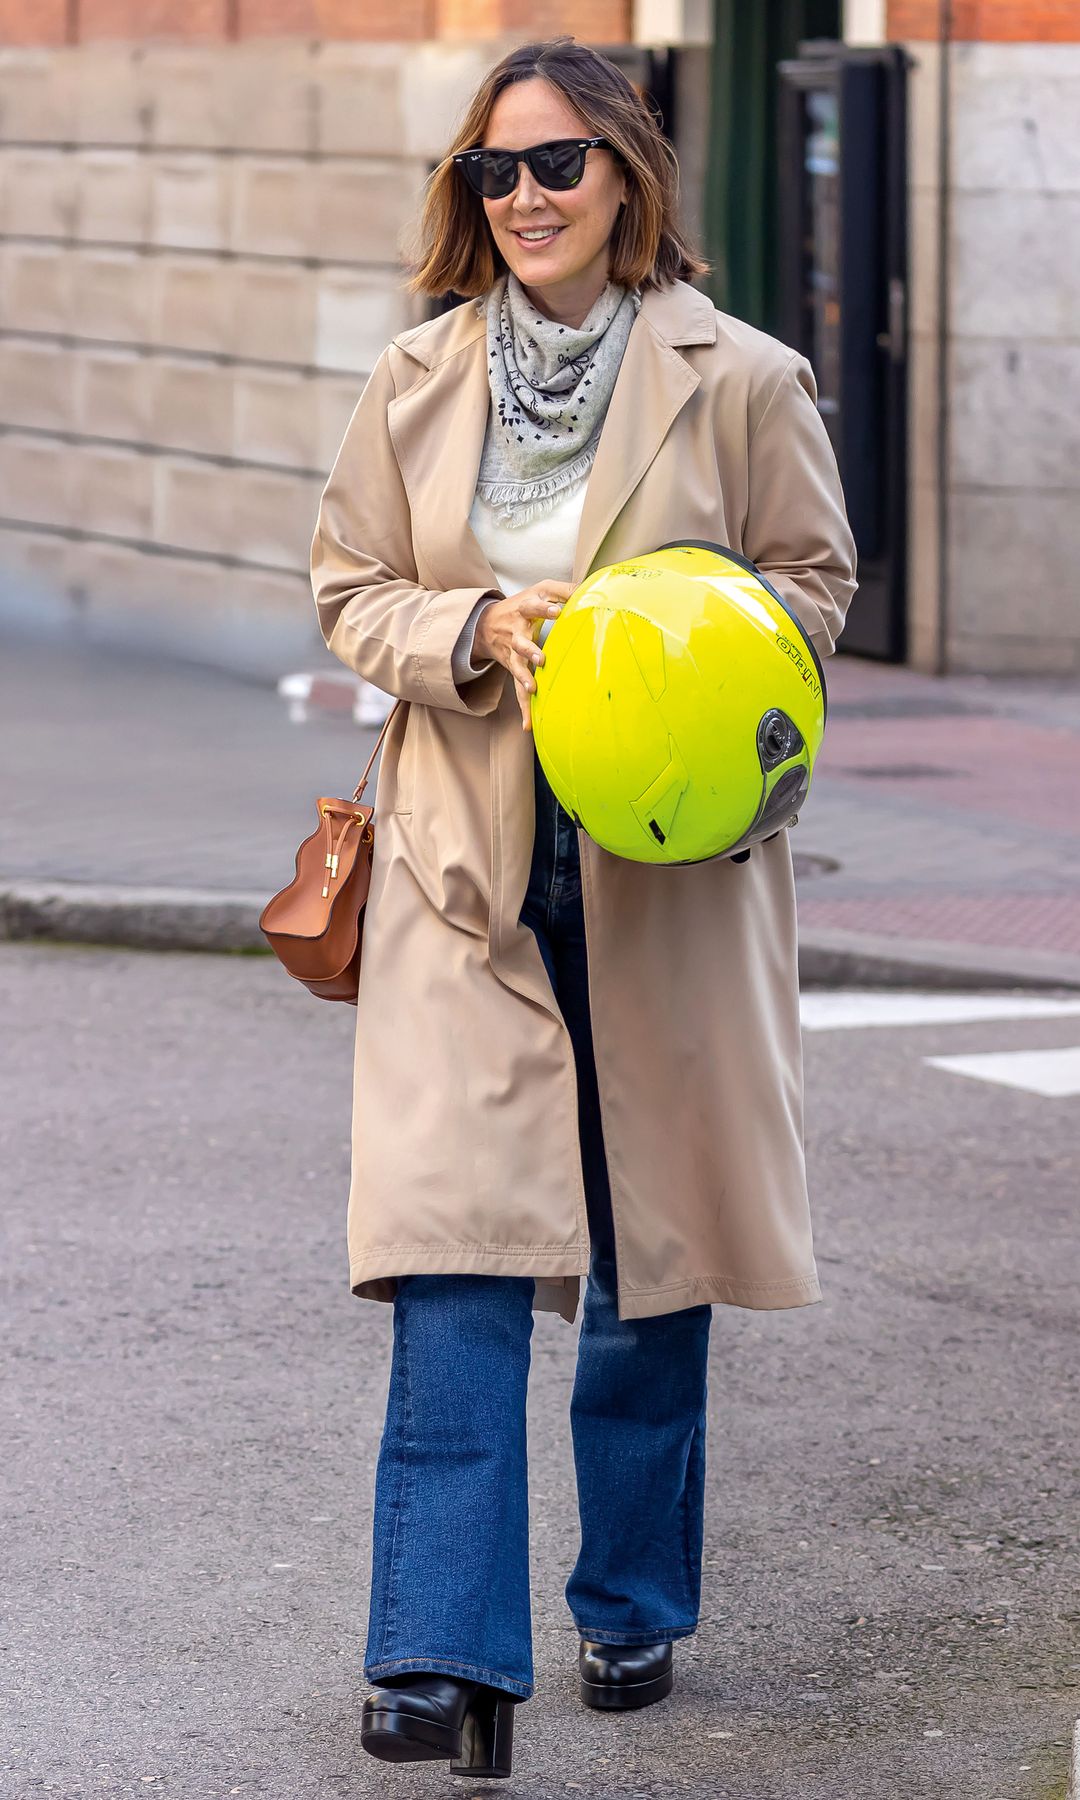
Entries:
{"x":752,"y":568}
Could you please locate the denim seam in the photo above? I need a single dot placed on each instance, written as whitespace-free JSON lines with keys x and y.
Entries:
{"x":399,"y":1513}
{"x":687,"y":1558}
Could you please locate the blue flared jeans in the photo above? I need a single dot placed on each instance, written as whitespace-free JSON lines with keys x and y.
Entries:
{"x":450,"y":1563}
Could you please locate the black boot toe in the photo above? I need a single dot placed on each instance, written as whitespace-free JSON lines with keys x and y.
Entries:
{"x":620,"y":1677}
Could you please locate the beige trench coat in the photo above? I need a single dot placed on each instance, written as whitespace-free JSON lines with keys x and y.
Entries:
{"x":465,"y":1134}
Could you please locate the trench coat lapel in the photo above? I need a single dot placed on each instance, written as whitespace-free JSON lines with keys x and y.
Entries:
{"x":654,"y":383}
{"x":437,"y":428}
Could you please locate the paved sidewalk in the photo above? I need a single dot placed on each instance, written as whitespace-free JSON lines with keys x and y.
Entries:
{"x":952,"y":809}
{"x":941,"y":841}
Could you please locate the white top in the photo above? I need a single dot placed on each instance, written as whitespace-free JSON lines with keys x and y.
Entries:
{"x":542,"y":550}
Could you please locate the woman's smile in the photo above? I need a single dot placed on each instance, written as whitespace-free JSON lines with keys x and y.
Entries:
{"x":530,"y":235}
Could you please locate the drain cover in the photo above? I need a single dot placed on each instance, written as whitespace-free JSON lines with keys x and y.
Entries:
{"x":806,"y":866}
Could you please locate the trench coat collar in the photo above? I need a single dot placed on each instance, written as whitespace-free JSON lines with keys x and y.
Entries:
{"x":437,"y":426}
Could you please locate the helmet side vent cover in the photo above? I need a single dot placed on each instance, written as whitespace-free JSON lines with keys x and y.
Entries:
{"x":778,"y":738}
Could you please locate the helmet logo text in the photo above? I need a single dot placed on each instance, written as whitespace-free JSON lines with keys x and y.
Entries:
{"x":804,"y":668}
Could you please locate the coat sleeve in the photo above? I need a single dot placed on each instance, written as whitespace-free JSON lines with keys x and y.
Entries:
{"x":373,"y":612}
{"x":796,"y":525}
{"x":461,"y":660}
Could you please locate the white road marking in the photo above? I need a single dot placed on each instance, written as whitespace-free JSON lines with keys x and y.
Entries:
{"x":1054,"y":1073}
{"x":826,"y":1010}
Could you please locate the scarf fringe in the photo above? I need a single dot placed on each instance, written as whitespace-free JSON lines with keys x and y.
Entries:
{"x":530,"y":499}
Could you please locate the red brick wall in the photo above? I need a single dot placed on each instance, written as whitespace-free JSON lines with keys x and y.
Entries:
{"x":33,"y":21}
{"x":133,"y":19}
{"x":1001,"y":21}
{"x":400,"y":21}
{"x":594,"y":21}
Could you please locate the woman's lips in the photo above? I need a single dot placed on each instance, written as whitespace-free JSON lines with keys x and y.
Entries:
{"x":539,"y":243}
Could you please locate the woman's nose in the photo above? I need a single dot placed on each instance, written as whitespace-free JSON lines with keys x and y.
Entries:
{"x":528,"y":194}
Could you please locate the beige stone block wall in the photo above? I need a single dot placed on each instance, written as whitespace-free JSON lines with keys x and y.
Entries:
{"x":112,"y":196}
{"x":1014,"y":375}
{"x":36,"y":481}
{"x":35,"y":287}
{"x":199,"y":266}
{"x":191,"y":511}
{"x":191,"y":201}
{"x":34,"y":104}
{"x":190,"y":405}
{"x":35,"y":380}
{"x":38,"y":192}
{"x":191,"y":303}
{"x":274,"y":308}
{"x":112,"y":491}
{"x":110,"y":393}
{"x":275,"y":419}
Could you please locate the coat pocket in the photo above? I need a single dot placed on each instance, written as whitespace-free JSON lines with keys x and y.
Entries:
{"x":397,"y":765}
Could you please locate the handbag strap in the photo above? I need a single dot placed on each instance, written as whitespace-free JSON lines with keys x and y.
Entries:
{"x":362,"y":783}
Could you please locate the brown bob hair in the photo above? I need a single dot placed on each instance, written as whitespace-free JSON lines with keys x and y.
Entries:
{"x":456,"y":251}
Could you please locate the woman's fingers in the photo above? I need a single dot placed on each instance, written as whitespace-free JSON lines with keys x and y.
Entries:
{"x":544,"y":600}
{"x":541,"y":608}
{"x":524,"y":703}
{"x":521,"y":672}
{"x":529,"y":651}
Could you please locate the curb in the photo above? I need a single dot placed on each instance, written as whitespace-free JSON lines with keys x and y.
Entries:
{"x":863,"y":960}
{"x":1072,"y":1792}
{"x":159,"y":918}
{"x":140,"y":918}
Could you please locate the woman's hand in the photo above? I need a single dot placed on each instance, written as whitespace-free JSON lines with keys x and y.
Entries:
{"x":505,"y":633}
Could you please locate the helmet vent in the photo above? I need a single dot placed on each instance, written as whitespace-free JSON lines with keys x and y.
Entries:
{"x":778,"y":738}
{"x":660,"y":836}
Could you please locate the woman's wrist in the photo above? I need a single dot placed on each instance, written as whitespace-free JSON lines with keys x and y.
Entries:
{"x":481,"y":650}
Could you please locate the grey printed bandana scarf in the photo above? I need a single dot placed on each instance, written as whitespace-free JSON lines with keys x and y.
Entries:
{"x":550,"y":387}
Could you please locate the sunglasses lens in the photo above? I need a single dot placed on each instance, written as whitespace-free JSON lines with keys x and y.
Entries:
{"x":558,"y":165}
{"x":490,"y":174}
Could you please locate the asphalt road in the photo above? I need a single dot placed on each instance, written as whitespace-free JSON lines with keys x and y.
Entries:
{"x":892,"y":1602}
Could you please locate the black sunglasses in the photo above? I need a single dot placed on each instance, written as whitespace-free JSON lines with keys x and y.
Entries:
{"x":559,"y":165}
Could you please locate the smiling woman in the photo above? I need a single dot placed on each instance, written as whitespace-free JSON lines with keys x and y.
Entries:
{"x":567,"y":1063}
{"x":618,"y":218}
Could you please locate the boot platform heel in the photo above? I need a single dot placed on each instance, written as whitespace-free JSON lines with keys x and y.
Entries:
{"x":487,"y":1737}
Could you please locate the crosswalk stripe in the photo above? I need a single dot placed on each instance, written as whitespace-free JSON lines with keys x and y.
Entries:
{"x":828,"y":1010}
{"x":1053,"y":1073}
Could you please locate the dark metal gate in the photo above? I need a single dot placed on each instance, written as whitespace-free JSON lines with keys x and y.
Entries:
{"x":843,"y":299}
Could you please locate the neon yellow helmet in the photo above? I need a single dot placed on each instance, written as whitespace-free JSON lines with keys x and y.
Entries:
{"x":680,"y":706}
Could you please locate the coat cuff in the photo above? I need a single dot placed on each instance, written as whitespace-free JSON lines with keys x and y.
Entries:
{"x":464,"y":669}
{"x":446,"y":618}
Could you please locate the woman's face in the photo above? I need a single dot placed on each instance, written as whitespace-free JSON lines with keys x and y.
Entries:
{"x":565,"y":267}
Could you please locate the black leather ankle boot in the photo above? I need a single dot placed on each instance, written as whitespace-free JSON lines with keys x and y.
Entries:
{"x":420,"y":1716}
{"x":618,"y":1677}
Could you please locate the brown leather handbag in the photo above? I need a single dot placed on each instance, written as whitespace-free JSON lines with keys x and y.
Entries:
{"x":315,"y":926}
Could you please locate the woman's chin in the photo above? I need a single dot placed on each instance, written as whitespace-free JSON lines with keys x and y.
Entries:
{"x":540,"y":270}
